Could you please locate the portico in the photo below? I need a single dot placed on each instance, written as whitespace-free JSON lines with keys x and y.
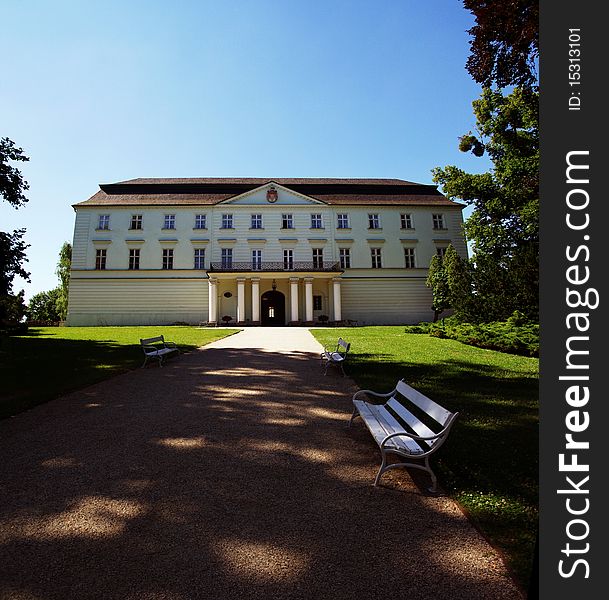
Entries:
{"x":278,"y":298}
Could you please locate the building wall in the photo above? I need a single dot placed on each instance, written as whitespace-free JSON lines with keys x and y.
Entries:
{"x":137,"y":301}
{"x":118,"y":296}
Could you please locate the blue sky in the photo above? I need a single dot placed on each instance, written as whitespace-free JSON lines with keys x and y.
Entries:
{"x":96,"y":92}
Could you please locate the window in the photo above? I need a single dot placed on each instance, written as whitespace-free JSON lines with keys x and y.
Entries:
{"x":134,"y":259}
{"x":374,"y":222}
{"x":288,"y":260}
{"x":343,"y":221}
{"x":316,"y":222}
{"x":406,"y":221}
{"x":256,"y":222}
{"x":103,"y":222}
{"x":136,"y":222}
{"x":344,"y":255}
{"x":169,"y":222}
{"x":438,"y":221}
{"x":200,"y":221}
{"x":227,"y":258}
{"x":440,"y":251}
{"x":409,"y":258}
{"x":375,"y":253}
{"x":100,"y":259}
{"x":287,"y":222}
{"x":199,"y":258}
{"x":317,"y":303}
{"x":227,"y":222}
{"x":318,"y":258}
{"x":167,"y":258}
{"x":256,"y":260}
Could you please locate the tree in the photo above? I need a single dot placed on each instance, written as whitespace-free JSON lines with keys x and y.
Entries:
{"x":504,"y":225}
{"x":12,"y":246}
{"x":436,"y":280}
{"x":64,"y":265}
{"x":505,"y":44}
{"x":12,"y":184}
{"x":43,"y":306}
{"x":459,"y":284}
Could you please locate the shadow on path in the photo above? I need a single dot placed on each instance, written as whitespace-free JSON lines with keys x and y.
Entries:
{"x":228,"y":473}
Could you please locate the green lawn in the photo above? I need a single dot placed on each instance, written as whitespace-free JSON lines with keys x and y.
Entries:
{"x":489,"y":463}
{"x":49,"y":361}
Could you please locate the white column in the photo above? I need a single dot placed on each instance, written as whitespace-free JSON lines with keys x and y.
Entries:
{"x":256,"y":300}
{"x":213,"y":301}
{"x":337,"y":307}
{"x":308,"y":299}
{"x":294,"y":298}
{"x":240,"y":300}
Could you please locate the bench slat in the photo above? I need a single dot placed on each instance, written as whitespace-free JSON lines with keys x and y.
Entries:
{"x":382,"y":423}
{"x":434,"y":410}
{"x":413,"y":422}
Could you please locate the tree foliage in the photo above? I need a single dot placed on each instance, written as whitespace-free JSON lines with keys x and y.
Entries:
{"x":12,"y":246}
{"x":64,"y":264}
{"x":12,"y":184}
{"x":450,"y":281}
{"x":44,"y":306}
{"x":436,"y":280}
{"x":504,"y":224}
{"x":505,"y":42}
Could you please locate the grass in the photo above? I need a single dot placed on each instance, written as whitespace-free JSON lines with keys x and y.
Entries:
{"x":489,"y":463}
{"x":50,"y":361}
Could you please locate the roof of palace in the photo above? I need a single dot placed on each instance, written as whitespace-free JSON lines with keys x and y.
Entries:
{"x":212,"y":190}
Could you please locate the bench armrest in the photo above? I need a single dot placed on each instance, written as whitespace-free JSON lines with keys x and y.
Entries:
{"x":371,"y":393}
{"x":170,"y":345}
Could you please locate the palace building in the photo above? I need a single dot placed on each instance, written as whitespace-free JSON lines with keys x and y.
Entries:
{"x":261,"y":251}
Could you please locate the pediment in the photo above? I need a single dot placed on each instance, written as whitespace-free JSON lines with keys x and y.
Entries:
{"x":270,"y":194}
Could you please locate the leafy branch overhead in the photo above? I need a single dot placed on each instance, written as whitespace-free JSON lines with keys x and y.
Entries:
{"x":12,"y":184}
{"x":505,"y":42}
{"x":12,"y":245}
{"x":503,"y":227}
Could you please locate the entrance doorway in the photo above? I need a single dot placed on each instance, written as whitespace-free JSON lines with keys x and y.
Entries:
{"x":273,"y":308}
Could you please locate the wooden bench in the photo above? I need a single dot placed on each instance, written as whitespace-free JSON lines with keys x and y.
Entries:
{"x":157,"y":347}
{"x":397,"y":430}
{"x":336,"y":356}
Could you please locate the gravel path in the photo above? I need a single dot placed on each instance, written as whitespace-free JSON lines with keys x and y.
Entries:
{"x":226,"y":474}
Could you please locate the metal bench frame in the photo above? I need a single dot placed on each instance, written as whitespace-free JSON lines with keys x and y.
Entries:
{"x":335,"y":357}
{"x":157,"y":347}
{"x":396,"y":430}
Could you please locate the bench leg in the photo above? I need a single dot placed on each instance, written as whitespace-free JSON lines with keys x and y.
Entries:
{"x":353,"y":416}
{"x":385,"y":467}
{"x":382,"y":469}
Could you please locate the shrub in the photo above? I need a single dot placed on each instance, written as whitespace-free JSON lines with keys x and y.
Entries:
{"x":516,"y":335}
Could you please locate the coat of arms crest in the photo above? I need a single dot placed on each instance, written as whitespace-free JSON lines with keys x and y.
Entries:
{"x":271,"y":195}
